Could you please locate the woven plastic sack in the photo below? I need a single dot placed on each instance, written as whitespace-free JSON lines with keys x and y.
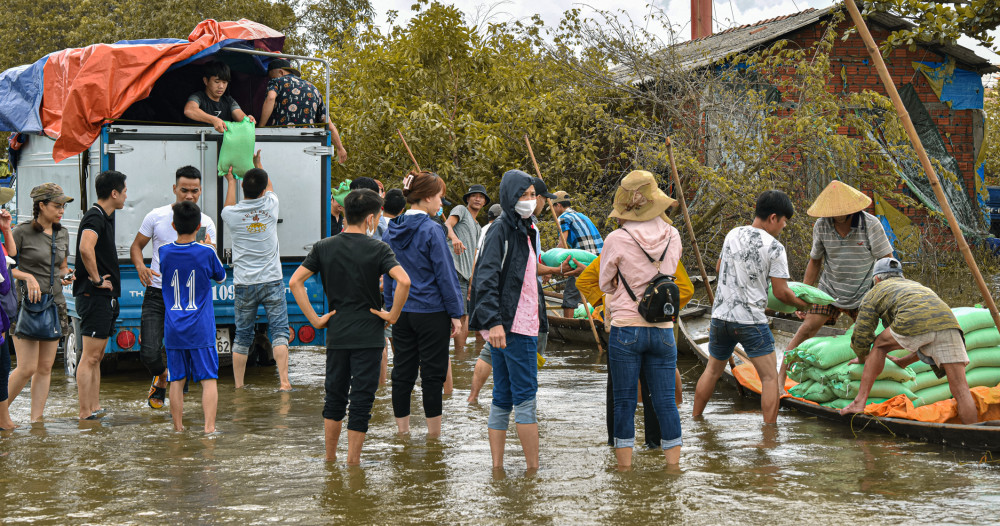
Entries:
{"x":800,"y":389}
{"x":237,"y":148}
{"x":830,"y":351}
{"x":979,"y":377}
{"x":841,"y":403}
{"x":982,"y":338}
{"x":986,"y":357}
{"x":579,"y":312}
{"x":554,"y":257}
{"x":880,"y":389}
{"x":796,"y":371}
{"x":806,"y":293}
{"x":926,"y":380}
{"x":971,"y":318}
{"x":891,"y":371}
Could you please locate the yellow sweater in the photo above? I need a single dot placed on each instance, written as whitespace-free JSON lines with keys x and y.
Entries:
{"x":587,"y":284}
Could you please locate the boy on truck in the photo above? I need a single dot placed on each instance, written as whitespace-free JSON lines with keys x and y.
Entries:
{"x":213,"y":106}
{"x":189,"y":328}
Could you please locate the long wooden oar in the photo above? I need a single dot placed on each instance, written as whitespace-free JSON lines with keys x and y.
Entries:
{"x":679,"y":191}
{"x":911,"y":132}
{"x":412,"y":158}
{"x":562,"y":236}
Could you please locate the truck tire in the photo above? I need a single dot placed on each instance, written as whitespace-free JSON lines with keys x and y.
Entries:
{"x":72,"y":347}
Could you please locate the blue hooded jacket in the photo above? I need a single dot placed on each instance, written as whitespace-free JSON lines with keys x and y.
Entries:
{"x":422,"y":250}
{"x":499,"y":274}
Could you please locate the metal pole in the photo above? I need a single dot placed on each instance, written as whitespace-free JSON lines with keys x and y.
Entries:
{"x":326,"y":64}
{"x":925,"y":162}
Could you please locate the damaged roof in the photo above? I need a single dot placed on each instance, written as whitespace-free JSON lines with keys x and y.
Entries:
{"x":716,"y":47}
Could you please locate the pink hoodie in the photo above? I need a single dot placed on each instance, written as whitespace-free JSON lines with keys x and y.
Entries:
{"x":622,"y":254}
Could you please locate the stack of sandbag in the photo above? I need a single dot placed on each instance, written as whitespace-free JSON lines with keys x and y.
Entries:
{"x":982,"y":343}
{"x":821,"y":367}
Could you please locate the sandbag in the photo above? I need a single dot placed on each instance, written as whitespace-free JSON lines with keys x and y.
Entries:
{"x":891,"y":371}
{"x":579,"y":312}
{"x":880,"y":389}
{"x":237,"y":148}
{"x":979,"y":377}
{"x":554,"y":257}
{"x":796,"y":371}
{"x":818,"y":392}
{"x":986,"y":357}
{"x":841,"y":403}
{"x":823,"y":375}
{"x":801,"y":389}
{"x":972,"y":318}
{"x":833,"y":350}
{"x":806,"y":293}
{"x":926,"y":380}
{"x":982,"y":338}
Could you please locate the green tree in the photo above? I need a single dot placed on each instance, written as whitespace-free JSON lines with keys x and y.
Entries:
{"x":940,"y":21}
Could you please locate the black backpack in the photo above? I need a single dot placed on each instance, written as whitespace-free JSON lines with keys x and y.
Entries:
{"x":661,"y":301}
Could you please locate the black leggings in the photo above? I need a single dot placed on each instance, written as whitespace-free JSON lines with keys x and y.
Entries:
{"x":4,"y":367}
{"x":420,"y":344}
{"x":649,"y":420}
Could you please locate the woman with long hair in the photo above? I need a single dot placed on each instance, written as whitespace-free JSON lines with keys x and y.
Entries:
{"x":432,"y":314}
{"x":34,"y":241}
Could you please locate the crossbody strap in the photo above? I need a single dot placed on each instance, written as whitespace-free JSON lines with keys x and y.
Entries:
{"x":52,"y":267}
{"x":655,"y":263}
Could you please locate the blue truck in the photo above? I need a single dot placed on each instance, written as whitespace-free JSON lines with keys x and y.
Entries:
{"x":298,"y":160}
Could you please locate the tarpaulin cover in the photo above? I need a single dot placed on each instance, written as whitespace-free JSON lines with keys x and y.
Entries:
{"x":69,"y":94}
{"x":960,"y":89}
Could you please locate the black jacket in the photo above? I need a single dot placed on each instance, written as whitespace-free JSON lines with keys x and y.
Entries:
{"x":500,"y":266}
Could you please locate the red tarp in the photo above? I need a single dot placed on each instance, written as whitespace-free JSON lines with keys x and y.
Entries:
{"x":84,"y":87}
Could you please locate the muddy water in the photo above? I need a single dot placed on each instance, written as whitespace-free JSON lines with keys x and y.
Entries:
{"x":267,"y":466}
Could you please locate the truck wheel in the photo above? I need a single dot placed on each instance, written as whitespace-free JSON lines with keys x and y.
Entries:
{"x":72,"y":346}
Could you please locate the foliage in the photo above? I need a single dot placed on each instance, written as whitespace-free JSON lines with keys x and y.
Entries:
{"x":991,"y":141}
{"x":940,"y":21}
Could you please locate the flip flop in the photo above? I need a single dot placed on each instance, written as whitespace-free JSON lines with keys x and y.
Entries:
{"x":156,"y":395}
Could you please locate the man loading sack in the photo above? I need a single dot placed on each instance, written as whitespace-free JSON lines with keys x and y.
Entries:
{"x":846,"y":243}
{"x":917,"y":320}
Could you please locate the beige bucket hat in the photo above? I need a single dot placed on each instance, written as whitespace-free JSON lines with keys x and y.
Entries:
{"x":638,"y":198}
{"x":839,"y":199}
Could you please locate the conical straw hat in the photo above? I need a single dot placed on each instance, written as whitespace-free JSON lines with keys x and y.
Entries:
{"x":839,"y":199}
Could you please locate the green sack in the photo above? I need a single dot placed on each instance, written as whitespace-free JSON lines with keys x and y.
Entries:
{"x":806,"y":293}
{"x":982,"y":338}
{"x":801,"y":389}
{"x":237,"y":148}
{"x":341,"y":191}
{"x":825,"y":375}
{"x":891,"y":371}
{"x":828,"y":352}
{"x":926,"y":380}
{"x":797,"y":371}
{"x":554,"y":257}
{"x":880,"y":389}
{"x":818,"y":392}
{"x":841,"y":403}
{"x":971,"y":318}
{"x":979,"y":377}
{"x":986,"y":357}
{"x":579,"y":313}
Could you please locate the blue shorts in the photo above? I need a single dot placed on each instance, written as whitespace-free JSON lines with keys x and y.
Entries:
{"x":194,"y":364}
{"x":756,"y":340}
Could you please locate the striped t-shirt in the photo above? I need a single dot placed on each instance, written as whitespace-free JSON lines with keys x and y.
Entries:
{"x":848,"y":260}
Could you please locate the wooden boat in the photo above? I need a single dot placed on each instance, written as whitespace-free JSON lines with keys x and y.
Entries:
{"x":984,"y":436}
{"x":571,"y":330}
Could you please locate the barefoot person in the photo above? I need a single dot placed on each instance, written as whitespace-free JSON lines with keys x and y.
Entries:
{"x":507,"y":301}
{"x":8,"y":302}
{"x":464,"y":232}
{"x":189,"y":323}
{"x":97,"y":286}
{"x":257,"y":278}
{"x":157,"y":227}
{"x":350,"y":266}
{"x":751,"y":256}
{"x":846,"y":243}
{"x":433,"y":312}
{"x":917,"y":320}
{"x":39,"y":272}
{"x":636,"y":344}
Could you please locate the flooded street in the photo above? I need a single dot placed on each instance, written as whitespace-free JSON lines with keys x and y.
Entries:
{"x":267,"y":466}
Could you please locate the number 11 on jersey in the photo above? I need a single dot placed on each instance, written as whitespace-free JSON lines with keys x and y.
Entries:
{"x":175,"y":284}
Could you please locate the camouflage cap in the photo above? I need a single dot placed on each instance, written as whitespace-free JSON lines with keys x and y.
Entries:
{"x":49,"y":192}
{"x":6,"y":194}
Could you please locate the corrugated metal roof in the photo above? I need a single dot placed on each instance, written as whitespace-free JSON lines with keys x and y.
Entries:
{"x":714,"y":48}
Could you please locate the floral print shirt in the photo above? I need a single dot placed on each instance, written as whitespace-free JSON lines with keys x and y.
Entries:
{"x":298,"y":102}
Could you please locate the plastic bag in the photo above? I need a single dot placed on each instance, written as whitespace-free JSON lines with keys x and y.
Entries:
{"x":237,"y":148}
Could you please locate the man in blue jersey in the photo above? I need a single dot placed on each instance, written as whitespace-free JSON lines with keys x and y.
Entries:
{"x":188,"y":269}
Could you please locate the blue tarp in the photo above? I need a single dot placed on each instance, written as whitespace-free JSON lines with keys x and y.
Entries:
{"x":21,"y":97}
{"x":963,"y":89}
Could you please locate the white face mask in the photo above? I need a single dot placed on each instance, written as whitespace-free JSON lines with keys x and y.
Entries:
{"x":373,"y":230}
{"x":525,"y":208}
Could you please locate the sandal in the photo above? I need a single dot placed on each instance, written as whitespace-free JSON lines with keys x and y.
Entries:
{"x":156,"y":395}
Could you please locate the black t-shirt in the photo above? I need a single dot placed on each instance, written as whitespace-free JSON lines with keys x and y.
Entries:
{"x":222,"y":108}
{"x":336,"y":224}
{"x":350,"y":266}
{"x":104,"y":251}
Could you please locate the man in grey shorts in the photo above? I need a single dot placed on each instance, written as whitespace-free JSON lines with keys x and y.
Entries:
{"x":917,"y":320}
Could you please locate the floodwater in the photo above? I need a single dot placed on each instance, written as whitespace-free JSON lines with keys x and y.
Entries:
{"x":267,"y":466}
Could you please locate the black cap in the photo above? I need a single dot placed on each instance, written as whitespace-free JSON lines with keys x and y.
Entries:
{"x":281,"y":63}
{"x":476,"y":189}
{"x":540,"y":188}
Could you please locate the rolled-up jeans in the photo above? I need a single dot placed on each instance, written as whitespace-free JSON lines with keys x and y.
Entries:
{"x":245,"y":302}
{"x":515,"y":381}
{"x":151,"y":351}
{"x":654,"y":350}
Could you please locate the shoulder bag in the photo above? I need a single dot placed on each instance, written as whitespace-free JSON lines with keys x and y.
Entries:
{"x":661,"y":300}
{"x":39,"y":320}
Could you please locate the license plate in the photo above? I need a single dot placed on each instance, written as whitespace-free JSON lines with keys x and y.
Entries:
{"x":222,"y":341}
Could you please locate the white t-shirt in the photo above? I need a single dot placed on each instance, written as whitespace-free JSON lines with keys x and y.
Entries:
{"x":253,"y":223}
{"x":482,"y":237}
{"x":750,"y":256}
{"x":156,"y":226}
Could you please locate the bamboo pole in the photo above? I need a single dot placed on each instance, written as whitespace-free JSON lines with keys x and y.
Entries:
{"x":593,"y":328}
{"x":679,"y":190}
{"x":412,"y":158}
{"x":925,"y":161}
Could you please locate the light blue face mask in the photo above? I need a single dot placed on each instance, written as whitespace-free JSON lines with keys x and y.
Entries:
{"x":440,"y":211}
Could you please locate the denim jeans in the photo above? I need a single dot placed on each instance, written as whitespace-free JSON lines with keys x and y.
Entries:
{"x":723,"y":336}
{"x":515,"y":381}
{"x":151,"y":351}
{"x":245,"y":302}
{"x":654,"y":351}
